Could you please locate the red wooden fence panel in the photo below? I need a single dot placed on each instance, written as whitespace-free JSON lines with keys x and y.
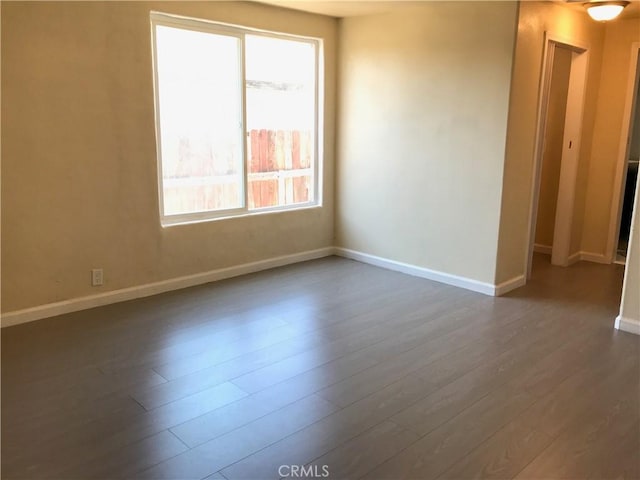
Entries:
{"x":254,"y":163}
{"x":280,"y":150}
{"x":273,"y":151}
{"x":295,"y":149}
{"x":264,"y":150}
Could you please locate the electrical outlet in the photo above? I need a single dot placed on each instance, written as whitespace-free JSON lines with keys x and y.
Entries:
{"x":97,"y":277}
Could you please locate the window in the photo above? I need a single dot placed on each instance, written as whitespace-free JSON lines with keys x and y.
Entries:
{"x":236,"y":119}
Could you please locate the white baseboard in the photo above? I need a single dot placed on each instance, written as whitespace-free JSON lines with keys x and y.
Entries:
{"x":511,"y":284}
{"x":574,"y":258}
{"x":91,"y":301}
{"x":594,"y":257}
{"x":546,"y":249}
{"x":455,"y":280}
{"x":627,"y":325}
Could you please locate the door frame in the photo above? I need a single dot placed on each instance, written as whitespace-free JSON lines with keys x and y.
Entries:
{"x":570,"y":154}
{"x":631,"y":103}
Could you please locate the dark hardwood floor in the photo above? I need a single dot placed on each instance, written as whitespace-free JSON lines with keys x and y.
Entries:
{"x":336,"y":366}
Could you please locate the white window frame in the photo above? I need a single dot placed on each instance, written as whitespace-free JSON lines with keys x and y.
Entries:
{"x":208,"y":26}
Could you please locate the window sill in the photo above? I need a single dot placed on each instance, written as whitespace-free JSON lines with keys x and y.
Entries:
{"x":179,"y":220}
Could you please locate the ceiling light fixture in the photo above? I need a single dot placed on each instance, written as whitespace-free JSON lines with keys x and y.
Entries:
{"x":603,"y":11}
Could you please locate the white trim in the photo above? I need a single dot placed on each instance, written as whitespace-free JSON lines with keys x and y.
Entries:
{"x":550,"y":41}
{"x":578,"y":256}
{"x":239,"y":32}
{"x":594,"y":257}
{"x":156,"y":119}
{"x":121,"y":295}
{"x":82,"y":303}
{"x":570,"y":42}
{"x":570,"y":160}
{"x":628,"y":287}
{"x":571,"y":259}
{"x":627,"y":325}
{"x":544,"y":86}
{"x":511,"y":284}
{"x":243,"y":134}
{"x":427,"y":273}
{"x":630,"y":104}
{"x":581,"y":256}
{"x":545,"y":249}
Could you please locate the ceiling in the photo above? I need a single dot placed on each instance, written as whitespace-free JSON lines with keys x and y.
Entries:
{"x":341,"y":8}
{"x":631,"y":11}
{"x":351,"y":8}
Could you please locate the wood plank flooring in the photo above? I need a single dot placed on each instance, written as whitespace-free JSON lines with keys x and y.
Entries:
{"x":334,"y":366}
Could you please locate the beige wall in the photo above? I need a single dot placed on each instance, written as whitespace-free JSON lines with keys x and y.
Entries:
{"x":422,"y":121}
{"x":79,"y":186}
{"x":534,"y":19}
{"x":553,"y":142}
{"x":421,"y":178}
{"x":606,"y":137}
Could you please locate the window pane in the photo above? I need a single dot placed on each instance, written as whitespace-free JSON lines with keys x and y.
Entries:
{"x":200,"y":115}
{"x":280,"y":95}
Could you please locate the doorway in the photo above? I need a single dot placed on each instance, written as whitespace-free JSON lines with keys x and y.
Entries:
{"x":557,"y":152}
{"x":627,"y":174}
